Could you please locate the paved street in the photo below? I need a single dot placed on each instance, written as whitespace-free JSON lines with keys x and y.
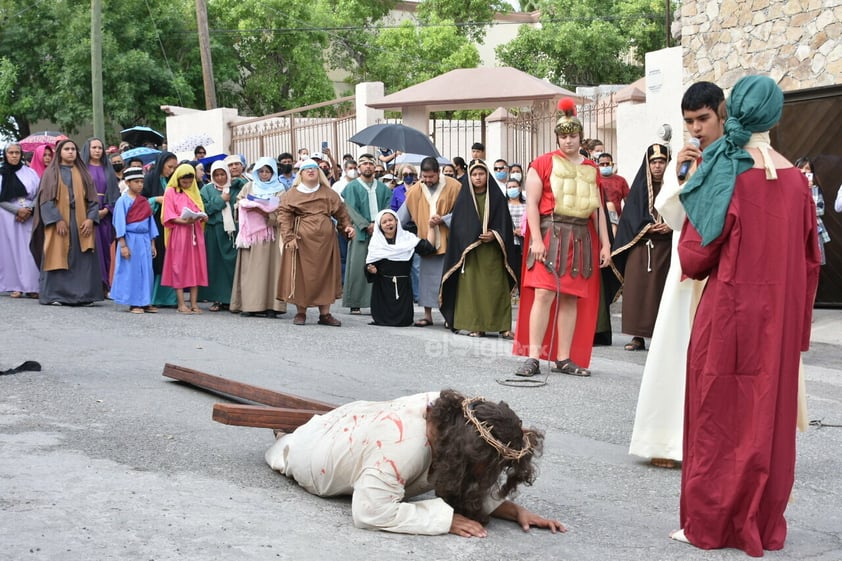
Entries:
{"x":101,"y":458}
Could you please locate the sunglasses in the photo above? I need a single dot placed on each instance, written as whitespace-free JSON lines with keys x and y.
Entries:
{"x":499,"y":168}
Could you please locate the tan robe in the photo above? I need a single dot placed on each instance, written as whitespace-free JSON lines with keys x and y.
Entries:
{"x":311,"y":275}
{"x":419,"y":208}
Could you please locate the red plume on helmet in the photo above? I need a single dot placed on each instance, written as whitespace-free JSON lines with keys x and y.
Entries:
{"x":567,"y":105}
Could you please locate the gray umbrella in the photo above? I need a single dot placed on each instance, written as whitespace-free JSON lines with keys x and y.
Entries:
{"x":396,"y":137}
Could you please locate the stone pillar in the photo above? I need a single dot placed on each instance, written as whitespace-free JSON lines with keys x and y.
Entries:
{"x":417,"y":118}
{"x":368,"y":92}
{"x":497,"y":136}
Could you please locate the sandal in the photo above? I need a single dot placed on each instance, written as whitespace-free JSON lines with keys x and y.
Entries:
{"x":136,"y":310}
{"x":299,"y":319}
{"x":476,"y":334}
{"x":215,"y":307}
{"x":530,"y":367}
{"x":150,"y":309}
{"x":567,"y":366}
{"x":327,"y":319}
{"x":33,"y":295}
{"x":196,"y":310}
{"x":665,"y":463}
{"x":185,"y":310}
{"x":507,"y":335}
{"x":636,"y":344}
{"x":16,"y":294}
{"x":356,"y":311}
{"x":423,"y":322}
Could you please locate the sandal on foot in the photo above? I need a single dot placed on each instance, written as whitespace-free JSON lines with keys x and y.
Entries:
{"x":636,"y":344}
{"x":215,"y":307}
{"x":567,"y":366}
{"x":185,"y":310}
{"x":196,"y":310}
{"x":530,"y":367}
{"x":136,"y":310}
{"x":476,"y":334}
{"x":33,"y":295}
{"x":15,"y":294}
{"x":327,"y":319}
{"x":356,"y":311}
{"x":423,"y":322}
{"x":150,"y":309}
{"x":507,"y":335}
{"x":665,"y":463}
{"x":299,"y":319}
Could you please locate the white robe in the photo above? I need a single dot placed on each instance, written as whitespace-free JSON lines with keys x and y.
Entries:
{"x":659,"y":420}
{"x":375,"y":451}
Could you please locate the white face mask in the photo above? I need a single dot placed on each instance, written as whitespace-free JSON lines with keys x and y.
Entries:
{"x":351,"y":173}
{"x":517,"y":176}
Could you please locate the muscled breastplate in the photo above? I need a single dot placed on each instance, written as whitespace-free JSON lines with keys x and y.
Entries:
{"x":574,"y":187}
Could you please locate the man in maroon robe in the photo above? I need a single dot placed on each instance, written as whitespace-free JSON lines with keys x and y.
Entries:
{"x":752,"y":230}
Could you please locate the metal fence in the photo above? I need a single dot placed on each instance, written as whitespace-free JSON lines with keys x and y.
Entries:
{"x":526,"y":133}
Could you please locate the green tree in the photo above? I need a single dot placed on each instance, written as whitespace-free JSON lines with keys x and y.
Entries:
{"x":51,"y":64}
{"x":408,"y":54}
{"x":271,"y":55}
{"x":470,"y":16}
{"x":588,"y":42}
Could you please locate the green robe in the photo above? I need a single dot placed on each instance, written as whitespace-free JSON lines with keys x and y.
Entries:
{"x":357,"y":290}
{"x":222,"y":255}
{"x":483,"y":295}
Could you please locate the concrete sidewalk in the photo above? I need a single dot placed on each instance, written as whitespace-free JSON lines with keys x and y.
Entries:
{"x":104,"y":459}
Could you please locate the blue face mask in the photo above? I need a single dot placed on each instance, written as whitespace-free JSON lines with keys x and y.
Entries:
{"x":513,"y":192}
{"x":501,"y":175}
{"x":606,"y":171}
{"x":408,"y":179}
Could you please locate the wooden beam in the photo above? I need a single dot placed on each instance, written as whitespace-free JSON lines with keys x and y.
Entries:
{"x":243,"y":391}
{"x":262,"y":417}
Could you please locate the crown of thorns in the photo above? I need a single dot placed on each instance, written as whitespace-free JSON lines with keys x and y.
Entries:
{"x":484,"y":430}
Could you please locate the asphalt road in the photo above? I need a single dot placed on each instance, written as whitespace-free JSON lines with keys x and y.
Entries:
{"x":101,"y":458}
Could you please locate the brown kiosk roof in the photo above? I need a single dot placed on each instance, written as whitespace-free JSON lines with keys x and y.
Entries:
{"x":474,"y":88}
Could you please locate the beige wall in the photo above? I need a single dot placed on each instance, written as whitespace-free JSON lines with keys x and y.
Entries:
{"x":797,"y":42}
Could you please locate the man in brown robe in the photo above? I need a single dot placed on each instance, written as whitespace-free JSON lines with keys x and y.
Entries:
{"x":310,"y":266}
{"x":642,"y":249}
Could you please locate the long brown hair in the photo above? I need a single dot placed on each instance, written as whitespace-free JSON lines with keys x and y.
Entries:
{"x":465,"y":468}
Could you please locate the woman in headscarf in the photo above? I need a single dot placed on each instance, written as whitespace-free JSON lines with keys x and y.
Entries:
{"x":310,"y":267}
{"x":41,"y":158}
{"x":258,"y":265}
{"x":154,"y":185}
{"x":108,"y":191}
{"x":388,"y":267}
{"x":751,"y":229}
{"x":185,"y":265}
{"x":219,"y":197}
{"x":18,"y":189}
{"x":479,"y":267}
{"x":64,"y":240}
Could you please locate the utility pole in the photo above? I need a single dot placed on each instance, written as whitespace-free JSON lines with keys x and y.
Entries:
{"x":96,"y":69}
{"x":668,"y":24}
{"x":204,"y":50}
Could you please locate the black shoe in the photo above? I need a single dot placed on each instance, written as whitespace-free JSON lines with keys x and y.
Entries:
{"x":271,"y":314}
{"x":247,"y":314}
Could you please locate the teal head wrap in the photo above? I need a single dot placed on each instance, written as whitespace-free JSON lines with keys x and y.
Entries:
{"x":755,"y":105}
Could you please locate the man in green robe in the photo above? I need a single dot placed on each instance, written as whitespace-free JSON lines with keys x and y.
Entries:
{"x":364,"y":197}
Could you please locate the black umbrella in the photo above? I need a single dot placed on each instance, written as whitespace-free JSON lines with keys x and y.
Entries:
{"x":138,"y":136}
{"x":396,"y":137}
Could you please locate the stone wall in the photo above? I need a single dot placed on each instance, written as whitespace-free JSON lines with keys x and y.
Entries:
{"x":797,"y":42}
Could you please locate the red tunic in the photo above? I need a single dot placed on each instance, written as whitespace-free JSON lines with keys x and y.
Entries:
{"x":616,"y":190}
{"x":742,"y":363}
{"x":586,"y":290}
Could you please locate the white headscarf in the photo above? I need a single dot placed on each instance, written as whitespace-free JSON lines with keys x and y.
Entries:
{"x":265,"y":189}
{"x":227,"y":216}
{"x":380,"y":248}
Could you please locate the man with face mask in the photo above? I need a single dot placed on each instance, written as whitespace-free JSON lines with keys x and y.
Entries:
{"x":364,"y":197}
{"x":501,"y":173}
{"x":429,"y":204}
{"x":615,"y":186}
{"x":349,"y":174}
{"x":285,"y":174}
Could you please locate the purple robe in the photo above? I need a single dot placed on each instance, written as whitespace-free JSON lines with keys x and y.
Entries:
{"x":105,"y":228}
{"x":18,"y":272}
